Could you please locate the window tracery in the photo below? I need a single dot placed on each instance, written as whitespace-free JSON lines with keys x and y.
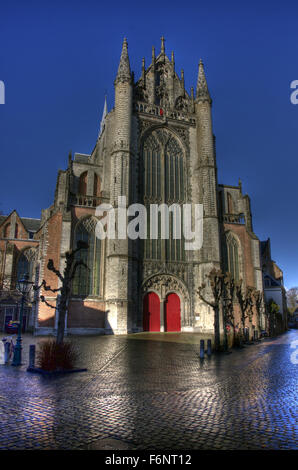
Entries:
{"x":87,"y":281}
{"x":163,"y":183}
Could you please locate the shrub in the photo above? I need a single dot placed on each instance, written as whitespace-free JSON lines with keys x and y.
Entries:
{"x":53,"y":356}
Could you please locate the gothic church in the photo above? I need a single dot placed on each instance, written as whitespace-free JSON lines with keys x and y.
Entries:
{"x":155,"y":146}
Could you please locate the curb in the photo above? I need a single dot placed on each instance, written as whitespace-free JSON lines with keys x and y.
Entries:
{"x":36,"y":370}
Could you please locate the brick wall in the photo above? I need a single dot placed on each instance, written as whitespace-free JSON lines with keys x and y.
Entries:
{"x":86,"y":314}
{"x":46,"y":316}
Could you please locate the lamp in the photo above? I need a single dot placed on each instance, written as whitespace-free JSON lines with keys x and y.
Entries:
{"x":24,"y":287}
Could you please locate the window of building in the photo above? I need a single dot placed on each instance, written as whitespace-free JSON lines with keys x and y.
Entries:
{"x":16,"y":231}
{"x":6,"y":231}
{"x":83,"y":184}
{"x":96,"y":185}
{"x":87,"y":281}
{"x":163,"y":183}
{"x":230,"y":204}
{"x":25,"y":264}
{"x":232,"y":257}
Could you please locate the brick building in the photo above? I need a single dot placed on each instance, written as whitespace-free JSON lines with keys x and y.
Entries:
{"x":155,"y":146}
{"x":273,"y":282}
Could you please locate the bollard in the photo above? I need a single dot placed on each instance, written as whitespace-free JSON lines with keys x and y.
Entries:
{"x":32,"y":356}
{"x":2,"y":352}
{"x":202,"y":348}
{"x":209,"y":347}
{"x":6,"y":352}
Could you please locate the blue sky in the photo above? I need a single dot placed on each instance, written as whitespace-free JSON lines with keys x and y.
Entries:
{"x":58,"y":59}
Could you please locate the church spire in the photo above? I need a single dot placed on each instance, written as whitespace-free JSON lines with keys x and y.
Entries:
{"x":123,"y":74}
{"x":162,"y":49}
{"x":182,"y":81}
{"x":202,"y":87}
{"x":143,"y":72}
{"x":105,"y":112}
{"x":173,"y":62}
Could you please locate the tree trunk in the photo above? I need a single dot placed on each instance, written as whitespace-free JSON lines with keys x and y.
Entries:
{"x":61,"y":321}
{"x":216,"y":329}
{"x":234,"y":336}
{"x":226,"y":339}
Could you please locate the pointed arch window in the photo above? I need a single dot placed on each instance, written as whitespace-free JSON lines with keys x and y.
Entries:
{"x":25,"y":263}
{"x":230,"y":204}
{"x":6,"y":231}
{"x":163,"y":183}
{"x":232,"y":258}
{"x":16,"y":231}
{"x":87,"y":281}
{"x":83,"y":184}
{"x":96,"y":185}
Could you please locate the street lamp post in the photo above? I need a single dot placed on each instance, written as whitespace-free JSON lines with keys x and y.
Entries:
{"x":24,"y":286}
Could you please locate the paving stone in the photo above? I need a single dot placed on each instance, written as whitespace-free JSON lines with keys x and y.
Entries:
{"x":142,"y":394}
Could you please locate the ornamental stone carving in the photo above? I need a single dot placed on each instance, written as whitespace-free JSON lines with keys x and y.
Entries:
{"x":30,"y":254}
{"x":165,"y":283}
{"x":183,"y":134}
{"x":90,"y":224}
{"x":182,"y":104}
{"x":144,"y":125}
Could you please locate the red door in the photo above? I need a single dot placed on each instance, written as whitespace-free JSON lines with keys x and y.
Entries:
{"x":151,"y":312}
{"x":172,"y":313}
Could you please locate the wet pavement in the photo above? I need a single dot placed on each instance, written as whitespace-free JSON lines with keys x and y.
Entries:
{"x":152,"y":391}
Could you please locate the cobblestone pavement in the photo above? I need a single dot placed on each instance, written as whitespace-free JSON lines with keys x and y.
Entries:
{"x":152,"y":391}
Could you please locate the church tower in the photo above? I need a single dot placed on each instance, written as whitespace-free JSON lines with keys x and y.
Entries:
{"x":118,"y":280}
{"x":206,"y":184}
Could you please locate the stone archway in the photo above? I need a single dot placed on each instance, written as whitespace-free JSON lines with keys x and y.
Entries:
{"x":173,"y":296}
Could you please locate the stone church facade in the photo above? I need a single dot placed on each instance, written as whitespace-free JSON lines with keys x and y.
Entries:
{"x":155,"y":146}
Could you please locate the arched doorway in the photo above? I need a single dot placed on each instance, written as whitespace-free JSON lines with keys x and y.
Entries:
{"x":151,"y":312}
{"x":172,"y":313}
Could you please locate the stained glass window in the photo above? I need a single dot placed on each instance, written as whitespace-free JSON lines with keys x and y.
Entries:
{"x":163,"y":183}
{"x":232,"y":257}
{"x":87,"y":281}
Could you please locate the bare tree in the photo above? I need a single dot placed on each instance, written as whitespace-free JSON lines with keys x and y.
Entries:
{"x":245,"y":301}
{"x":292,"y":299}
{"x":71,"y":265}
{"x":228,"y":306}
{"x":216,"y":283}
{"x":250,"y":303}
{"x":273,"y":315}
{"x":259,"y":302}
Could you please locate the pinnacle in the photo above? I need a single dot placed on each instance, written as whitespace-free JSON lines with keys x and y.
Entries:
{"x":124,"y":73}
{"x":105,"y":112}
{"x":162,"y":49}
{"x":202,"y":87}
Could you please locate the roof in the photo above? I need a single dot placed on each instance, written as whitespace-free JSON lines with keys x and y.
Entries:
{"x":81,"y":157}
{"x":32,"y":225}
